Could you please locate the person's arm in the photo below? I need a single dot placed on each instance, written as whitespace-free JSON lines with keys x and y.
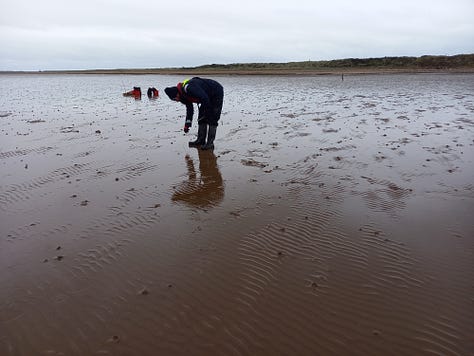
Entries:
{"x":189,"y":116}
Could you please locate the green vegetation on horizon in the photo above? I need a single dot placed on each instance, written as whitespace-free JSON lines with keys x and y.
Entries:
{"x":428,"y":63}
{"x":423,"y":62}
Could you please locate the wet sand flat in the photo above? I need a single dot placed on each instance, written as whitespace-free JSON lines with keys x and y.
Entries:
{"x":334,"y":217}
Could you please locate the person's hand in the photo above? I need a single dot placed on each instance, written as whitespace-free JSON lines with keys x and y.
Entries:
{"x":186,"y":129}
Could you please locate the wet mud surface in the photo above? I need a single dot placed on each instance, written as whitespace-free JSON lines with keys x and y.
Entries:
{"x":334,"y":217}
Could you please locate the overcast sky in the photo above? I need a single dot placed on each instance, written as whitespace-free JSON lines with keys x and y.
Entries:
{"x":86,"y":34}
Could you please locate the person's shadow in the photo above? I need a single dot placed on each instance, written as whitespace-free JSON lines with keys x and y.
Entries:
{"x":202,"y":189}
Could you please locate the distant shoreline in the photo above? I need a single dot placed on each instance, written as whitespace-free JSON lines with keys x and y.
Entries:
{"x":282,"y":72}
{"x":462,"y":63}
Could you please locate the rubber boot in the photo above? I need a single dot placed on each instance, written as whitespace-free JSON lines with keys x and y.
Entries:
{"x":210,"y":138}
{"x":201,"y":139}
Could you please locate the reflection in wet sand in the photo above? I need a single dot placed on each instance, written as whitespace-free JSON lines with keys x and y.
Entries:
{"x":202,"y":189}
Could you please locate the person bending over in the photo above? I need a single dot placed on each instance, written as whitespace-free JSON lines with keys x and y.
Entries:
{"x":209,"y":95}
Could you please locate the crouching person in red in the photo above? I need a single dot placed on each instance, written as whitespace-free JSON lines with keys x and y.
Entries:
{"x":136,"y":93}
{"x":209,"y":95}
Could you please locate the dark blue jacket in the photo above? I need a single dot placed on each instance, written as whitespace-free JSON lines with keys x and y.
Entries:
{"x":209,"y":95}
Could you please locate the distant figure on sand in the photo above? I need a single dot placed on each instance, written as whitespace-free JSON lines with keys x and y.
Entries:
{"x":136,"y":93}
{"x":152,"y":93}
{"x":209,"y":95}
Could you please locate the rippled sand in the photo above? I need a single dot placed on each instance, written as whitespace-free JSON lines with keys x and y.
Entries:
{"x":334,"y":217}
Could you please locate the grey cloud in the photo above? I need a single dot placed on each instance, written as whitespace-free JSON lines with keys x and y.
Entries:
{"x":98,"y":33}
